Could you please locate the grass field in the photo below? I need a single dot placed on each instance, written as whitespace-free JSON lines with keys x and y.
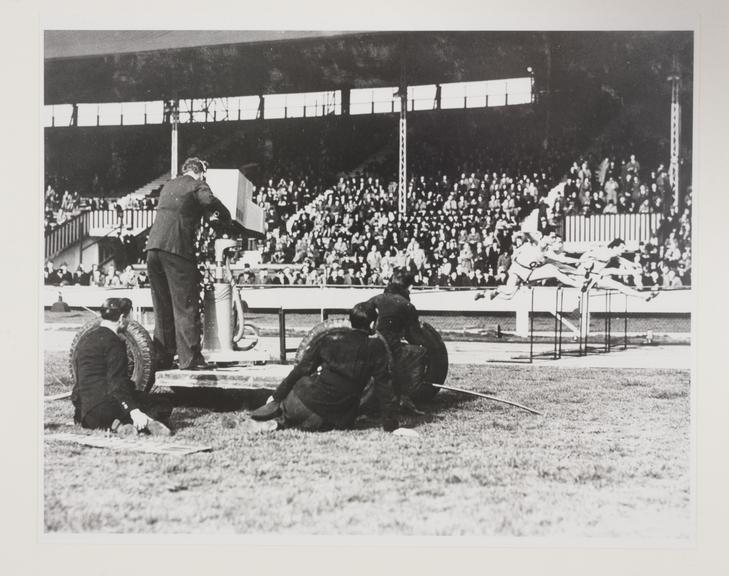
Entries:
{"x":609,"y":458}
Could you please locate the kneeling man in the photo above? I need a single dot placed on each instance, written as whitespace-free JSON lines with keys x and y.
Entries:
{"x":323,"y":391}
{"x":103,"y":396}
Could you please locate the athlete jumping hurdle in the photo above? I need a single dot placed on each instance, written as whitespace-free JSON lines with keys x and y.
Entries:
{"x":534,"y":261}
{"x":599,"y":264}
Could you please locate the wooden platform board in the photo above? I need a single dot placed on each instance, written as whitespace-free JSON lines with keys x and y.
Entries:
{"x":139,"y":444}
{"x":267,"y":376}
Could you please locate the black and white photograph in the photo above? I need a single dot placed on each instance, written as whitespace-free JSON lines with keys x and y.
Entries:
{"x":412,"y":285}
{"x":368,"y":283}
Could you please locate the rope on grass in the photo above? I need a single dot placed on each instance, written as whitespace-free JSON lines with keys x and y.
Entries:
{"x":494,"y":398}
{"x":60,"y":396}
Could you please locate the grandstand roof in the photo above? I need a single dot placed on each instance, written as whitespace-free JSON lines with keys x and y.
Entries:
{"x":116,"y":65}
{"x":84,"y":43}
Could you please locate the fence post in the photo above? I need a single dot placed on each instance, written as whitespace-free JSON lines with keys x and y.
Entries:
{"x":581,"y":324}
{"x":625,"y":325}
{"x":561,"y":309}
{"x":556,"y":321}
{"x":282,"y":335}
{"x":531,"y":327}
{"x":522,"y":317}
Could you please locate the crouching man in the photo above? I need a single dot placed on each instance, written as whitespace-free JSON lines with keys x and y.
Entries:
{"x":399,"y":326}
{"x":323,"y":391}
{"x":103,"y":396}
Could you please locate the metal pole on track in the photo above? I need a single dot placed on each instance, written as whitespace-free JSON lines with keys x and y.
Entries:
{"x":531,"y":327}
{"x":580,"y":324}
{"x":584,"y":323}
{"x":606,"y":340}
{"x":282,"y":335}
{"x":556,"y":321}
{"x":610,"y":320}
{"x":625,"y":325}
{"x":561,"y":311}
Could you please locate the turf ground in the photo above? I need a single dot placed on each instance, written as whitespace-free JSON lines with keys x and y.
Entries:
{"x":609,"y":458}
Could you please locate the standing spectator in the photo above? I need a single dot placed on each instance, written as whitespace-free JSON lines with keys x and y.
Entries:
{"x":611,"y":190}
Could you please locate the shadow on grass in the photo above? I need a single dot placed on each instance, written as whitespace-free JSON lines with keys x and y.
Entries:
{"x":189,"y":404}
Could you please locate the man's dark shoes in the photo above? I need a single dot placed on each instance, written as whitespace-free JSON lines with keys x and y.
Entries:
{"x":198,"y":363}
{"x":479,"y":295}
{"x":407,"y":406}
{"x":267,"y":412}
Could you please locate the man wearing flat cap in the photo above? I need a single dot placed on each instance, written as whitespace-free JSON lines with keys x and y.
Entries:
{"x":172,"y":264}
{"x":103,"y":395}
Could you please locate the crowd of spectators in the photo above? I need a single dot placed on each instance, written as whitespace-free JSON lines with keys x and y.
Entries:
{"x":666,"y":258}
{"x":58,"y":208}
{"x":612,"y":187}
{"x":105,"y":277}
{"x":460,"y":231}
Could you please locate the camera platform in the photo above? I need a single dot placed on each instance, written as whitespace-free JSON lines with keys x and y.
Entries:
{"x":249,"y":377}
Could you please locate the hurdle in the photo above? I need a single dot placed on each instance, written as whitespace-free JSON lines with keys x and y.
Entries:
{"x":583,"y":329}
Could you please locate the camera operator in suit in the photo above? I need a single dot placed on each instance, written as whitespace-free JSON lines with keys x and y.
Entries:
{"x":172,"y":264}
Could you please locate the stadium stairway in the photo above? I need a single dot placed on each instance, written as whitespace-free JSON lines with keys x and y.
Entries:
{"x":144,"y":191}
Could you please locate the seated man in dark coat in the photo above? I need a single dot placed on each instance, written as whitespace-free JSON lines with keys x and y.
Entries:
{"x":323,"y":391}
{"x":103,"y":396}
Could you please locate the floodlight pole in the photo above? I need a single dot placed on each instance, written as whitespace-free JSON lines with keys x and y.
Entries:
{"x":673,"y":170}
{"x":174,"y":121}
{"x":402,"y":202}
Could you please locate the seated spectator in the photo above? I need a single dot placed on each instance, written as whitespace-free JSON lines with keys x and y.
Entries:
{"x":64,"y":275}
{"x":50,"y":276}
{"x":610,"y":208}
{"x":142,"y":280}
{"x":113,"y":278}
{"x":98,"y":278}
{"x":128,"y":277}
{"x":81,"y":277}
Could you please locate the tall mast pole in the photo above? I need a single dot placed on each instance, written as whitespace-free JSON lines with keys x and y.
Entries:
{"x":402,"y":202}
{"x":174,"y":136}
{"x":674,"y":169}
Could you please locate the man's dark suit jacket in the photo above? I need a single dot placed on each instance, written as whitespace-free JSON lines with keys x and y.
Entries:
{"x":101,"y":372}
{"x":347,"y":360}
{"x":182,"y":202}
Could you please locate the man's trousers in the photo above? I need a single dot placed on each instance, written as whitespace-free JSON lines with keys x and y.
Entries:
{"x":175,"y":283}
{"x":297,"y":415}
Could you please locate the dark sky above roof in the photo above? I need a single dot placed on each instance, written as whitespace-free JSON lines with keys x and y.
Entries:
{"x":80,"y":43}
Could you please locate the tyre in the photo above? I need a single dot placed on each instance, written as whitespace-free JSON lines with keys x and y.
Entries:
{"x":140,"y":352}
{"x":436,"y":365}
{"x":310,"y":342}
{"x":436,"y":369}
